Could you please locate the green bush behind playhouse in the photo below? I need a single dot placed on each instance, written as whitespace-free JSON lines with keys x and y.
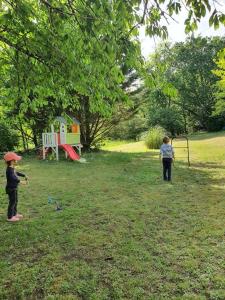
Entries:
{"x":8,"y":138}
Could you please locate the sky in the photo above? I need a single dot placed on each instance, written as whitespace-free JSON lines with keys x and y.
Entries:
{"x":177,"y":32}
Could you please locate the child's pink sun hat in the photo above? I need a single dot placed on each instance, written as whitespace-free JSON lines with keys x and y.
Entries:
{"x":11,"y":156}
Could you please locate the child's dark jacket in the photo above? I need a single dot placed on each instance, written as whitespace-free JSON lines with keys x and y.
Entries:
{"x":12,"y":179}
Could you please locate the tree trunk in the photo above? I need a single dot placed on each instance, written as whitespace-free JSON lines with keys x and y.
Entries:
{"x":23,"y":136}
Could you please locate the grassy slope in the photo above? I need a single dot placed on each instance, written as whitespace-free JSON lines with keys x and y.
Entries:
{"x":123,"y":233}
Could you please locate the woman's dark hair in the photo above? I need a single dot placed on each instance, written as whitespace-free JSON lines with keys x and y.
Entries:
{"x":166,"y":140}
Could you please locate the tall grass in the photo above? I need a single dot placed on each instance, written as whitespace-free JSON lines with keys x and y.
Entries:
{"x":154,"y":137}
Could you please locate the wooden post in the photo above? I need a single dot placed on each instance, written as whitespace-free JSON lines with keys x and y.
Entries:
{"x":56,"y":145}
{"x":57,"y":152}
{"x":43,"y":146}
{"x":43,"y":149}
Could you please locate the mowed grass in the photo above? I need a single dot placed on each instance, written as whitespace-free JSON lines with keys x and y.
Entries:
{"x":123,"y":233}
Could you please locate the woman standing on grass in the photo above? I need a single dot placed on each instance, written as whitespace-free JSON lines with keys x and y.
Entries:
{"x":13,"y":181}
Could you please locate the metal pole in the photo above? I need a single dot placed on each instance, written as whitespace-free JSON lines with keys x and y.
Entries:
{"x":188,"y":152}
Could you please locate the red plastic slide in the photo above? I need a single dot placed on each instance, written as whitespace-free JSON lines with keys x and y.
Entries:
{"x":71,"y":152}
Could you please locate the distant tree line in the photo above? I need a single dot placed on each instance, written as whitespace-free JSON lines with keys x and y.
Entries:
{"x":183,"y":91}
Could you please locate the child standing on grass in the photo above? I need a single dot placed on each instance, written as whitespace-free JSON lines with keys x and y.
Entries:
{"x":13,"y":181}
{"x":167,"y":156}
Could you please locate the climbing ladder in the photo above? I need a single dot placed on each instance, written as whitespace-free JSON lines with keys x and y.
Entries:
{"x":184,"y":137}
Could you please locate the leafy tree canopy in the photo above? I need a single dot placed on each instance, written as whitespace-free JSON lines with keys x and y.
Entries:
{"x":180,"y":78}
{"x":220,"y":94}
{"x":74,"y":55}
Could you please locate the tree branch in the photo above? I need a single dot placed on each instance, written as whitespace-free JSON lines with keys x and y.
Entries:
{"x":22,"y":50}
{"x":142,"y":19}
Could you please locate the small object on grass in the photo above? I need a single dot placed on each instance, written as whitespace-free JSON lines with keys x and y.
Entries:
{"x":109,"y":258}
{"x":51,"y":200}
{"x":82,"y":160}
{"x":58,"y":207}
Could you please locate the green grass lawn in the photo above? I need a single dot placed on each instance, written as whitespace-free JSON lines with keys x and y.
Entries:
{"x":123,"y":233}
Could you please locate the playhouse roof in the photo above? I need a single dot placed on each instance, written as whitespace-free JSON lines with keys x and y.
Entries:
{"x":75,"y":121}
{"x":61,"y":120}
{"x":64,"y":121}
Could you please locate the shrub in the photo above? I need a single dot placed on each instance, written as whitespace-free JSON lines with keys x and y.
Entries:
{"x":8,"y":138}
{"x":129,"y":129}
{"x":142,"y":136}
{"x":154,"y":137}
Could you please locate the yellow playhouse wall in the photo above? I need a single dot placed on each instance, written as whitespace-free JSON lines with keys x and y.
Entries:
{"x":73,"y":138}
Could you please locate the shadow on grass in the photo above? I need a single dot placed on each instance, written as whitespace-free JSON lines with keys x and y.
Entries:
{"x":208,"y":165}
{"x":206,"y":136}
{"x":148,"y":163}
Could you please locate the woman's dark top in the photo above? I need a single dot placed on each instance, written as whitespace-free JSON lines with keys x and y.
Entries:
{"x":12,"y":178}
